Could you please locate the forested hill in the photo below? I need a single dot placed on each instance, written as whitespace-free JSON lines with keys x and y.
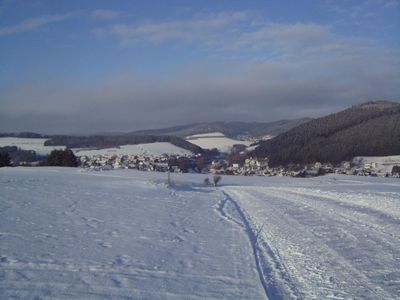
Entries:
{"x":368,"y":129}
{"x":236,"y":130}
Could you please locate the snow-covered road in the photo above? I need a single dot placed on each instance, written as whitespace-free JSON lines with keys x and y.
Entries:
{"x":67,"y":233}
{"x":333,"y":240}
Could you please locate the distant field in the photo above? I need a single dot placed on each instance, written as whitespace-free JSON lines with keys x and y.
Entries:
{"x":140,"y":149}
{"x":28,"y":144}
{"x":215,"y":140}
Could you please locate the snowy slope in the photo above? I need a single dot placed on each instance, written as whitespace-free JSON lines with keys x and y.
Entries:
{"x":69,"y":233}
{"x":215,"y":140}
{"x":140,"y":149}
{"x":29,"y":144}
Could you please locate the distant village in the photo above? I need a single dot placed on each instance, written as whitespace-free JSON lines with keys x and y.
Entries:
{"x":222,"y":166}
{"x":237,"y":162}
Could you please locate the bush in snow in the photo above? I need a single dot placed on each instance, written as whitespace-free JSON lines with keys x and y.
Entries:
{"x":206,"y":182}
{"x":4,"y":159}
{"x":216,"y":179}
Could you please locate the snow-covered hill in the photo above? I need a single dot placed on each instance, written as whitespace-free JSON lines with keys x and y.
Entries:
{"x":215,"y":140}
{"x":141,"y":149}
{"x":158,"y":148}
{"x":71,"y":233}
{"x":34,"y":144}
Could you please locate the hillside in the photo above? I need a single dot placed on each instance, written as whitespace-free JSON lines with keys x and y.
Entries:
{"x":235,"y":130}
{"x":368,"y":129}
{"x":215,"y":140}
{"x":102,"y":142}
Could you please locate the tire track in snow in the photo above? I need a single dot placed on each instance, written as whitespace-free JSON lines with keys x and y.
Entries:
{"x":269,"y":264}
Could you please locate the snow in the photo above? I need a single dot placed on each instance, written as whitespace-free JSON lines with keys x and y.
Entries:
{"x":66,"y":233}
{"x":382,"y":163}
{"x":36,"y":145}
{"x":267,"y":137}
{"x":158,"y":148}
{"x":72,"y":233}
{"x":210,"y":134}
{"x":215,"y":140}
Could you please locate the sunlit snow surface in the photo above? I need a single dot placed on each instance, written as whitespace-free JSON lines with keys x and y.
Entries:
{"x":215,"y":140}
{"x":158,"y":148}
{"x":73,"y":234}
{"x":148,"y":149}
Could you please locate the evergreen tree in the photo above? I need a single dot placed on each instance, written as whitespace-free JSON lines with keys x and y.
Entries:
{"x":4,"y":159}
{"x":63,"y":158}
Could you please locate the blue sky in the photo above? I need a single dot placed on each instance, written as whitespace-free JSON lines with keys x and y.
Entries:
{"x":88,"y":66}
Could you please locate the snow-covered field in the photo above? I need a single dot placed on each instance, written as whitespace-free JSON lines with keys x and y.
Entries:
{"x":36,"y":145}
{"x":380,"y":163}
{"x":141,"y":149}
{"x":158,"y":148}
{"x":215,"y":140}
{"x":73,"y":234}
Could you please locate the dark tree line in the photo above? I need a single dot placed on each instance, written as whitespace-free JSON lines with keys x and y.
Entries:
{"x":18,"y":155}
{"x":32,"y":135}
{"x":62,"y":158}
{"x":370,"y":129}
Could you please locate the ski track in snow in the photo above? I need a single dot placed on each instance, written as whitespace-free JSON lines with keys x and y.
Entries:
{"x":68,"y":233}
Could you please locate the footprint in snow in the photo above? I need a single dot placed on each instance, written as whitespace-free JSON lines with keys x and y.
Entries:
{"x":105,"y":245}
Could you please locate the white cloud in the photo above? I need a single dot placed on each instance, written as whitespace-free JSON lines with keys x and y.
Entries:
{"x":233,"y":35}
{"x":106,"y":14}
{"x":197,"y":29}
{"x":34,"y":23}
{"x":391,"y":3}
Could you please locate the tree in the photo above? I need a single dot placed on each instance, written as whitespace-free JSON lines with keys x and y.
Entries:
{"x":4,"y":159}
{"x":63,"y":158}
{"x":396,"y":171}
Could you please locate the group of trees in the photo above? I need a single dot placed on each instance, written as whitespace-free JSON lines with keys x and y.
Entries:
{"x":371,"y":129}
{"x":32,"y":135}
{"x":5,"y":159}
{"x":12,"y":155}
{"x":62,"y":158}
{"x":18,"y":156}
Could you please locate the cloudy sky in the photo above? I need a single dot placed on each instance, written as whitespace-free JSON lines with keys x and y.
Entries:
{"x":89,"y":66}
